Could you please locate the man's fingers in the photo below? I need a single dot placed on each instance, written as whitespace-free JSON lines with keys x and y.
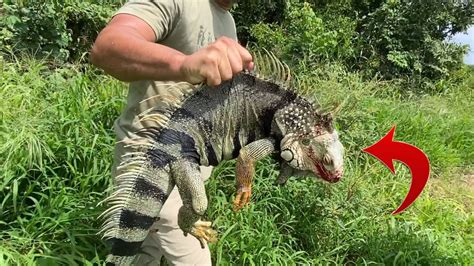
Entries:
{"x":225,"y":68}
{"x":247,"y":59}
{"x":210,"y":67}
{"x":237,"y":50}
{"x":218,"y":62}
{"x":250,"y":66}
{"x":235,"y":60}
{"x":213,"y":78}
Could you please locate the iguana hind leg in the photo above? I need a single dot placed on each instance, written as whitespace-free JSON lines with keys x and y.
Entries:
{"x":245,"y":168}
{"x":191,"y":188}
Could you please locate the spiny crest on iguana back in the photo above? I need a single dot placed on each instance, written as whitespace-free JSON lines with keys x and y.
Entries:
{"x":267,"y":68}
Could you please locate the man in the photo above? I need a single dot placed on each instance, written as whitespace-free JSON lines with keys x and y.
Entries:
{"x":147,"y":43}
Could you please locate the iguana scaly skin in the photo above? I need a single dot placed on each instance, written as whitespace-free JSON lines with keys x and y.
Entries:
{"x":248,"y":118}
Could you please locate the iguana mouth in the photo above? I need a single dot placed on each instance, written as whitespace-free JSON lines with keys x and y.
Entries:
{"x":326,"y":175}
{"x":321,"y":171}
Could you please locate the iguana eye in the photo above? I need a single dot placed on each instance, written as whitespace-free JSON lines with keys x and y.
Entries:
{"x":306,"y":142}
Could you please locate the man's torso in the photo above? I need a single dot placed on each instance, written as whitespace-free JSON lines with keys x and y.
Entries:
{"x":184,"y":25}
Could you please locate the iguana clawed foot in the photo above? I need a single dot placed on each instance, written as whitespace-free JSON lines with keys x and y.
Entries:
{"x":242,"y":198}
{"x":203,"y":231}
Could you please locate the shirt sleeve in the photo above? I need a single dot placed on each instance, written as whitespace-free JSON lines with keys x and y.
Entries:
{"x":161,"y":15}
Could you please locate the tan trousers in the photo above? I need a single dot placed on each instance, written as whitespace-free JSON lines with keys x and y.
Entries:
{"x":167,"y":239}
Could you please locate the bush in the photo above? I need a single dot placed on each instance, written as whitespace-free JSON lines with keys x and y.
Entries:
{"x":36,"y":28}
{"x":61,"y":30}
{"x":248,"y":13}
{"x":389,"y":39}
{"x":302,"y":34}
{"x":409,"y":39}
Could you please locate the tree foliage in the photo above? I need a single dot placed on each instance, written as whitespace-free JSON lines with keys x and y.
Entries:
{"x":388,"y":38}
{"x":391,"y":38}
{"x":400,"y":38}
{"x":303,"y":34}
{"x":248,"y":13}
{"x":62,"y":30}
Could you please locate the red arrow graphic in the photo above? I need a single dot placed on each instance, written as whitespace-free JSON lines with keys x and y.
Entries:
{"x":386,"y":150}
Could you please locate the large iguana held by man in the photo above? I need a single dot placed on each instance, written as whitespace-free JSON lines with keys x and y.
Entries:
{"x":248,"y":118}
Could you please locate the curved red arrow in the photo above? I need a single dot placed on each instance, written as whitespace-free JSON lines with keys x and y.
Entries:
{"x":415,"y":159}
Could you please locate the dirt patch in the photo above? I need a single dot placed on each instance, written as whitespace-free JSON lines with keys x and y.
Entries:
{"x":458,"y":186}
{"x":470,"y":182}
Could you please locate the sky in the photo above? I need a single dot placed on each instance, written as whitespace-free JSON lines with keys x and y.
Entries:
{"x":466,"y":39}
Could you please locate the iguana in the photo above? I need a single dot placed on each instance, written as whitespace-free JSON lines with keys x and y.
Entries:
{"x":248,"y":118}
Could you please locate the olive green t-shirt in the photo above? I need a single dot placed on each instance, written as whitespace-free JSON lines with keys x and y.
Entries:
{"x":185,"y":25}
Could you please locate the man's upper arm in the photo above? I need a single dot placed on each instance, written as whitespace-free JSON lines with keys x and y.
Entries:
{"x":134,"y":23}
{"x":161,"y":16}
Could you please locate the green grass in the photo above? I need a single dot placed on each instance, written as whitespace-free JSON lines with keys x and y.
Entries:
{"x":56,"y":143}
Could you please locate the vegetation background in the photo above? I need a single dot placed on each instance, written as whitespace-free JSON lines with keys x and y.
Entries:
{"x":386,"y":61}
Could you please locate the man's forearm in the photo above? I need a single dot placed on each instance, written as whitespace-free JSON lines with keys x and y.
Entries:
{"x":126,"y":50}
{"x":125,"y":55}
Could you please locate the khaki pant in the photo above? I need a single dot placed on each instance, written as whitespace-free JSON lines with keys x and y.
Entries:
{"x":167,"y":239}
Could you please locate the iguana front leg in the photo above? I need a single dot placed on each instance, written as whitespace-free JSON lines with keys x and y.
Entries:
{"x":191,"y":188}
{"x":285,"y":172}
{"x":245,"y":168}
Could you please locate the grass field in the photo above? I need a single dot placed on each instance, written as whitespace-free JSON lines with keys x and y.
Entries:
{"x":56,"y":145}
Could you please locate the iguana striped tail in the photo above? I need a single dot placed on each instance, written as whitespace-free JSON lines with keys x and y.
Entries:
{"x":143,"y":182}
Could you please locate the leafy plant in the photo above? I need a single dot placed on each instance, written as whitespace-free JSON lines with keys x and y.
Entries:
{"x":37,"y":28}
{"x":248,"y":13}
{"x":388,"y":39}
{"x":398,"y":38}
{"x":301,"y":34}
{"x":60,"y":30}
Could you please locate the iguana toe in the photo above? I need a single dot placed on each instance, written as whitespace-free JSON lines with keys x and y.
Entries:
{"x":242,"y":198}
{"x":203,"y":231}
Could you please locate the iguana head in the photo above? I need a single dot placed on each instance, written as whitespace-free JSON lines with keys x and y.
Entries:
{"x":310,"y":142}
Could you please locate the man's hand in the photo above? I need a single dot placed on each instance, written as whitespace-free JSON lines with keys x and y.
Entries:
{"x":126,"y":49}
{"x":218,"y":62}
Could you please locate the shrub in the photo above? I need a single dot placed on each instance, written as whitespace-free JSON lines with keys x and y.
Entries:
{"x":409,"y":39}
{"x":385,"y":38}
{"x":390,"y":39}
{"x":61,"y":30}
{"x":249,"y":13}
{"x":36,"y":28}
{"x":301,"y":34}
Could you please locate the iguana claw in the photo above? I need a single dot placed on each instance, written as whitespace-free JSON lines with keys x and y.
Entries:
{"x":242,"y":198}
{"x":203,"y":231}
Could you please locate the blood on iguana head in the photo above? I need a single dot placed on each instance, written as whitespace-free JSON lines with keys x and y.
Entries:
{"x":310,"y":142}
